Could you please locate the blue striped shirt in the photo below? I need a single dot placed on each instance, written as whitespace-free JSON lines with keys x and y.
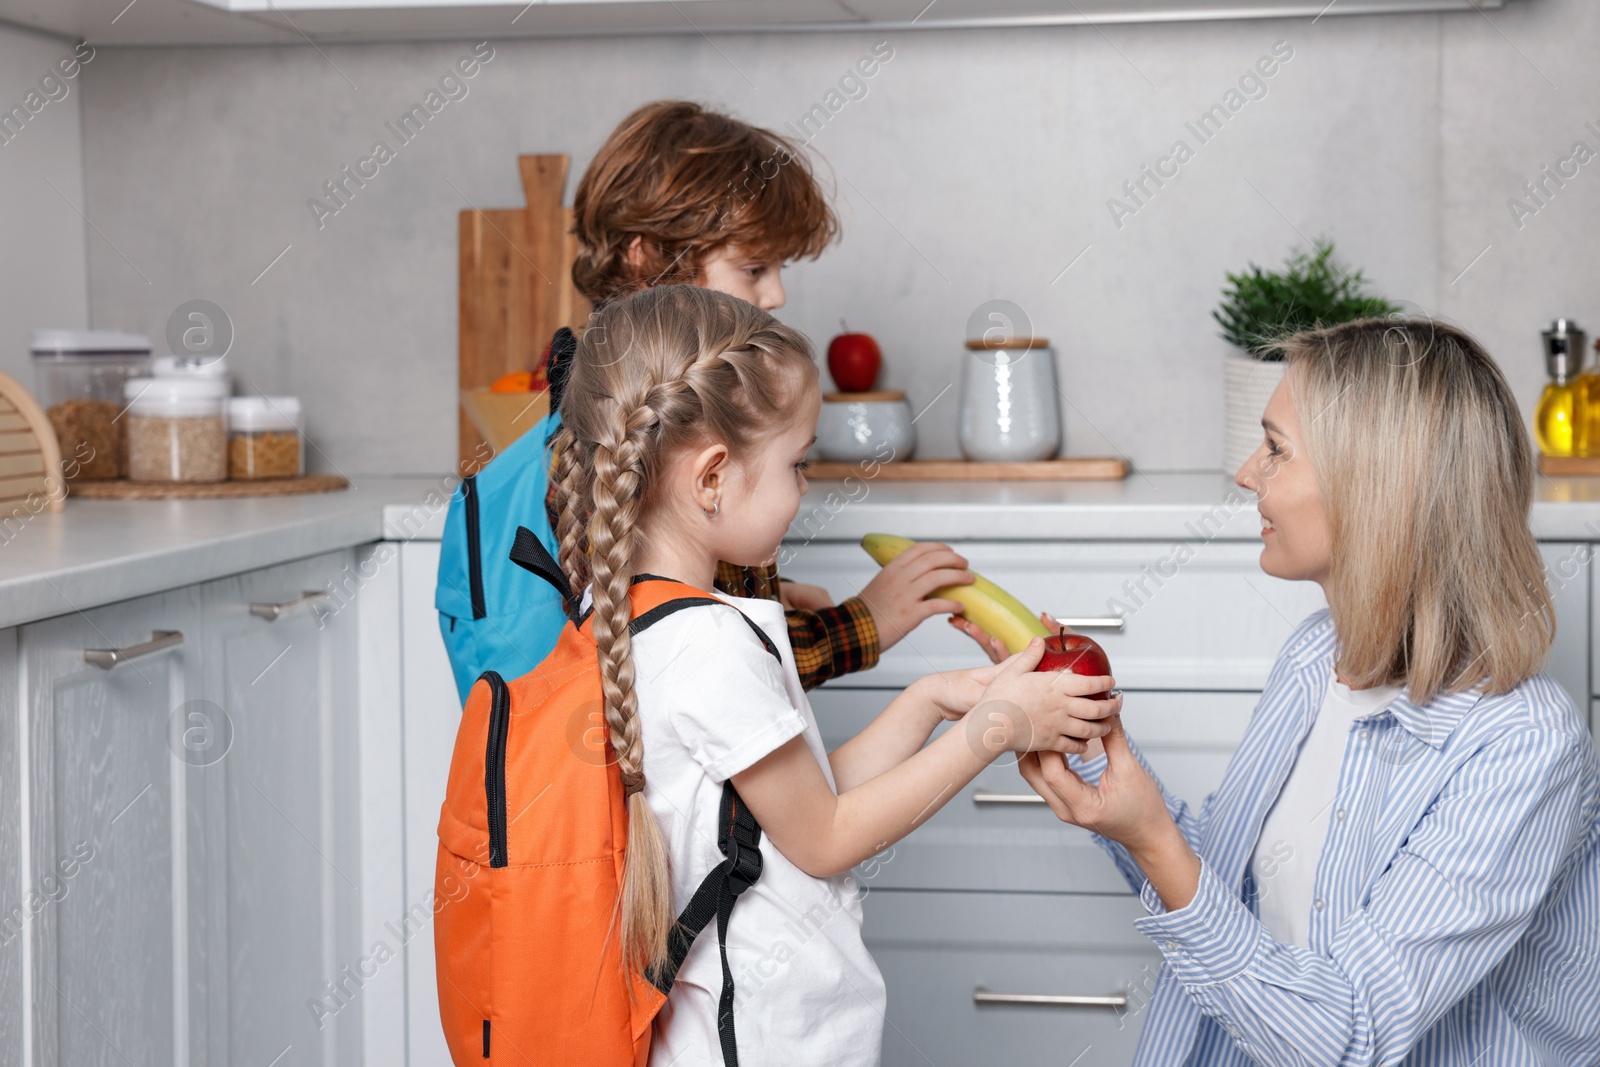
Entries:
{"x":1456,"y":914}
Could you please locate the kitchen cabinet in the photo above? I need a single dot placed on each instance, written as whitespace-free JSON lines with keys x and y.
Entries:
{"x":14,"y":902}
{"x":118,"y":956}
{"x":1003,"y":978}
{"x":190,"y":812}
{"x":280,"y":818}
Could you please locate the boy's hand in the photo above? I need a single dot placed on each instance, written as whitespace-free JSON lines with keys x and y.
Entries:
{"x":991,"y":645}
{"x":1026,"y":710}
{"x":798,"y":596}
{"x":895,"y":596}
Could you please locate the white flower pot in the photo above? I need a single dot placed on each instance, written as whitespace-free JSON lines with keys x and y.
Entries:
{"x":1247,"y":386}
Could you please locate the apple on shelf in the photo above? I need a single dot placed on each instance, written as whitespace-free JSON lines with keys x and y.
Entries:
{"x":860,"y":424}
{"x":854,"y":360}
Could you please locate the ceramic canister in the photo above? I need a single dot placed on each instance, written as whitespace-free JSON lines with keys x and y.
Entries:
{"x":1010,"y":407}
{"x":854,"y":427}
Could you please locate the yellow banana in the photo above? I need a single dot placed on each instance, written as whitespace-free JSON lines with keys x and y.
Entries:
{"x":985,"y":603}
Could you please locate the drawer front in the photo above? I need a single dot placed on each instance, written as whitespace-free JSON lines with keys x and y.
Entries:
{"x":997,"y":835}
{"x":940,"y":952}
{"x":1206,"y":620}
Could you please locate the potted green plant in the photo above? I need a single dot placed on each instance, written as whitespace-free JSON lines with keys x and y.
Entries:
{"x":1260,"y":308}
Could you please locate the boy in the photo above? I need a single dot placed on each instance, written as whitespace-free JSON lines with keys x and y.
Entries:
{"x":677,"y":193}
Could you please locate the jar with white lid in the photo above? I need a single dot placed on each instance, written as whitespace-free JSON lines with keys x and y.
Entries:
{"x":265,"y":438}
{"x":177,"y":429}
{"x":79,"y":377}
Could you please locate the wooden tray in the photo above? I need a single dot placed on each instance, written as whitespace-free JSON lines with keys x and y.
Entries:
{"x":126,"y":490}
{"x":1096,"y":468}
{"x":1572,"y":465}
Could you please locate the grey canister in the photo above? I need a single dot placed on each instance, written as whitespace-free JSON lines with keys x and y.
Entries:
{"x":1010,"y":407}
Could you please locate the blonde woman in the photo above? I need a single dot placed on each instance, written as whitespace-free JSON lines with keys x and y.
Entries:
{"x":1402,"y":862}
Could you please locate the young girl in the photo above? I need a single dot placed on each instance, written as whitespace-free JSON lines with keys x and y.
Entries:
{"x":684,"y":430}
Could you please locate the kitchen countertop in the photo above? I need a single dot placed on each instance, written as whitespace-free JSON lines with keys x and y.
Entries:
{"x":100,"y":551}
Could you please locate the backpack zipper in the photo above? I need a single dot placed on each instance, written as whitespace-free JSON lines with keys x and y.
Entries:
{"x":469,"y":507}
{"x":494,"y":766}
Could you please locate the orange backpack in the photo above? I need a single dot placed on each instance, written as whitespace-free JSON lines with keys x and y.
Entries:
{"x":531,"y":847}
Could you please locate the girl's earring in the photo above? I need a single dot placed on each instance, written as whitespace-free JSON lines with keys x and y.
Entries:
{"x":716,"y":506}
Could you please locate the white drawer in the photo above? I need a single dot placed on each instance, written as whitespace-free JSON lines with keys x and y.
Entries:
{"x":937,"y":950}
{"x":1213,"y":622}
{"x":985,"y":839}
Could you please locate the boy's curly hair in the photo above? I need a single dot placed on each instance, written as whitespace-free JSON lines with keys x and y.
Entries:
{"x":687,"y":181}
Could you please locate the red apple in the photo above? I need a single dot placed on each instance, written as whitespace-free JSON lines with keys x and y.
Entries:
{"x":1075,"y":653}
{"x":854,"y":360}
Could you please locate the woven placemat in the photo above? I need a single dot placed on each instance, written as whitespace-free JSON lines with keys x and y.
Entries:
{"x":125,"y":490}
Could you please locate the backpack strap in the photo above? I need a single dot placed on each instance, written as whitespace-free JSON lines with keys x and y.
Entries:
{"x":529,"y":553}
{"x":739,"y":840}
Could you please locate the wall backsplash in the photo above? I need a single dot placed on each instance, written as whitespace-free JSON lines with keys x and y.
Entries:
{"x":1040,"y":166}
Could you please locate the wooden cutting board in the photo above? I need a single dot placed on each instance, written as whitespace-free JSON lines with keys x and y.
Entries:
{"x":1569,"y":465}
{"x":515,"y":285}
{"x":122,"y":489}
{"x":959,"y":470}
{"x":30,"y":458}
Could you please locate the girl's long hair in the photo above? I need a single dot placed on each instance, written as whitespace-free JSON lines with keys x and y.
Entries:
{"x":1426,"y":472}
{"x":655,"y":372}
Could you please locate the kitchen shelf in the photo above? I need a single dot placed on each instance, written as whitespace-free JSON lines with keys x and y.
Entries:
{"x":196,"y":22}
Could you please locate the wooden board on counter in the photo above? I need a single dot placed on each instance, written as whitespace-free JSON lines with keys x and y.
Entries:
{"x":1571,"y":465}
{"x":126,"y":490}
{"x":515,"y":285}
{"x":1086,"y":468}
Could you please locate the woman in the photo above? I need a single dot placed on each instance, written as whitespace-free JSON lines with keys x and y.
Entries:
{"x":1402,"y":862}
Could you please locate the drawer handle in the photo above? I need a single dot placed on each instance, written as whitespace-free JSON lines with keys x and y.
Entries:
{"x":1113,"y":623}
{"x":1116,"y":1001}
{"x":160,"y":641}
{"x":274,"y":612}
{"x":984,"y":797}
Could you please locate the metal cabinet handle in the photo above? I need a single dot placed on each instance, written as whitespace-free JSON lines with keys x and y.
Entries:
{"x":160,"y":641}
{"x":1113,"y":623}
{"x":984,"y":797}
{"x":274,"y":612}
{"x":1118,"y":1001}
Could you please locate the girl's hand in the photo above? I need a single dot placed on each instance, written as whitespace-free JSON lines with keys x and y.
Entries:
{"x":1125,"y":806}
{"x":991,"y":645}
{"x":1026,"y":710}
{"x":798,"y":596}
{"x":955,"y":693}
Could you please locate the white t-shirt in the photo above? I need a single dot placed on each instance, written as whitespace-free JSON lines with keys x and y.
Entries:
{"x":1286,"y":855}
{"x":712,"y":702}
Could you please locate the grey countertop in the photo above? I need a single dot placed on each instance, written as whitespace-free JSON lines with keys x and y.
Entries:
{"x":97,"y":552}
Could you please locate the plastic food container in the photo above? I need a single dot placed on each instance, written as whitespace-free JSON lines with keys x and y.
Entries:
{"x":79,"y":377}
{"x":177,"y":429}
{"x":265,"y":438}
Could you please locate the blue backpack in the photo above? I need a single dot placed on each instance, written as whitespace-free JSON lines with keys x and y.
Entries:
{"x":493,"y":614}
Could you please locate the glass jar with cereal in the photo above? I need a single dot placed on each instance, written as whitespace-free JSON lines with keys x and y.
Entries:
{"x":177,"y":429}
{"x":264,"y":438}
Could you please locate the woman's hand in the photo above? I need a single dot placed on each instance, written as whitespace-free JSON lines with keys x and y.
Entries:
{"x":1023,"y":709}
{"x":1125,"y":806}
{"x":798,"y":596}
{"x":991,"y":645}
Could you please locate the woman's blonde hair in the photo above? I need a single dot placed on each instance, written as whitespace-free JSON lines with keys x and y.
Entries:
{"x":1426,"y":473}
{"x":657,"y":371}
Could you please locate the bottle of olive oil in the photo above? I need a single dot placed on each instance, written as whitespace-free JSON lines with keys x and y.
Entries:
{"x":1560,"y":423}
